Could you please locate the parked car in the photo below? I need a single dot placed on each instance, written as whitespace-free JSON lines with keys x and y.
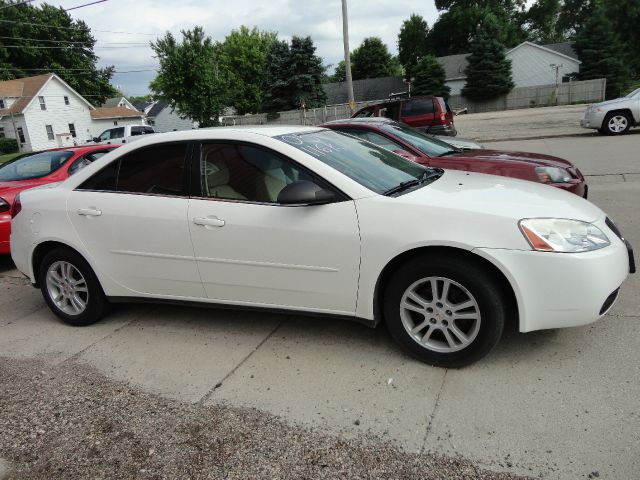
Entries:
{"x":311,"y":220}
{"x":614,"y":117}
{"x":38,"y":168}
{"x":429,"y":114}
{"x":418,"y":147}
{"x":124,"y":134}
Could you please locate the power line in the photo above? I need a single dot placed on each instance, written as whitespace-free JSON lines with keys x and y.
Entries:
{"x":85,"y":5}
{"x":48,"y":47}
{"x":75,"y":70}
{"x":15,"y":4}
{"x":74,"y":28}
{"x":73,"y":42}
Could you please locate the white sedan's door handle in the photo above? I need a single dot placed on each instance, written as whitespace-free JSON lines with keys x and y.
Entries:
{"x":209,"y":222}
{"x":89,"y":212}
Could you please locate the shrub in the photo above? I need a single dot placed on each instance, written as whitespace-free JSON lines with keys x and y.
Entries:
{"x":8,"y":145}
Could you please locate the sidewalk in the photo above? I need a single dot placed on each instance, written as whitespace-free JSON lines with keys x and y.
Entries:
{"x":523,"y":124}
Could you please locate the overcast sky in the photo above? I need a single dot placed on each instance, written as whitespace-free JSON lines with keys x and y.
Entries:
{"x":319,"y":18}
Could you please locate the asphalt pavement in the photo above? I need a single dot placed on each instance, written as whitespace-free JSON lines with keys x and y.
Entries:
{"x":555,"y":404}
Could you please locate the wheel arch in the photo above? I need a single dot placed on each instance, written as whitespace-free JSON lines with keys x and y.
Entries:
{"x":41,"y":250}
{"x":394,"y":264}
{"x":626,"y":111}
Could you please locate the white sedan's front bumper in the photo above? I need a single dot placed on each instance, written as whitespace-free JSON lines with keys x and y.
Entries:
{"x":556,"y":290}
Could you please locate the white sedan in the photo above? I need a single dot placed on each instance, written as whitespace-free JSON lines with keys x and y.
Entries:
{"x":312,"y":220}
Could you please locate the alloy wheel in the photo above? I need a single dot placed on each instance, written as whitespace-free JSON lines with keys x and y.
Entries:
{"x":67,"y":288}
{"x":440,"y":314}
{"x":618,"y":123}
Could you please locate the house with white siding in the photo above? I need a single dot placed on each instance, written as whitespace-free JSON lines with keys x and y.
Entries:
{"x":531,"y":65}
{"x":119,"y":102}
{"x":166,"y":119}
{"x":43,"y":112}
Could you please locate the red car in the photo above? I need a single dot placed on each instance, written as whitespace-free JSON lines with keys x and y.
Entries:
{"x":38,"y":168}
{"x":420,"y":148}
{"x":429,"y":114}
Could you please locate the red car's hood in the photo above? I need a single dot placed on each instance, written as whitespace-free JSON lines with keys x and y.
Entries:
{"x":536,"y":159}
{"x":8,"y":190}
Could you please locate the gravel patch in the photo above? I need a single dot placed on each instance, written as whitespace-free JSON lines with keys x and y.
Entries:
{"x":71,"y":422}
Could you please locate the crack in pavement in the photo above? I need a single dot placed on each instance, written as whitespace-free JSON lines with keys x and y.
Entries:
{"x":433,"y":413}
{"x":208,"y":395}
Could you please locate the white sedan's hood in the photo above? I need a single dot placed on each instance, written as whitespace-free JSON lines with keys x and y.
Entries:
{"x":502,"y":197}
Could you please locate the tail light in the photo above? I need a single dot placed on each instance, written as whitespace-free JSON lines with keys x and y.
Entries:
{"x":17,"y":206}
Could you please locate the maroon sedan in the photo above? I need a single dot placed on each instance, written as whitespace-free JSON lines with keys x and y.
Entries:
{"x":426,"y":150}
{"x":38,"y":168}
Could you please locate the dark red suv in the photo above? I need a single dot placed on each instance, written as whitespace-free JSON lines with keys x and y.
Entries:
{"x":429,"y":114}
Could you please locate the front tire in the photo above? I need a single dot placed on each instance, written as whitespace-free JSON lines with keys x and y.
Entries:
{"x":71,"y":289}
{"x":616,"y":123}
{"x":445,"y":310}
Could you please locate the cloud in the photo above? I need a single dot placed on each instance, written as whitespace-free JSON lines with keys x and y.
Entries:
{"x":322,"y":19}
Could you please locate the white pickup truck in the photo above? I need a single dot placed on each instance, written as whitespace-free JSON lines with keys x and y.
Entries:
{"x":124,"y":134}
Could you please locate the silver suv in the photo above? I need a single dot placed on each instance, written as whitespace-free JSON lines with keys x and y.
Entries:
{"x":614,"y":117}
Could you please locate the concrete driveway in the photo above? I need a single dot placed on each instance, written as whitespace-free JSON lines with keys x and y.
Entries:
{"x":555,"y":404}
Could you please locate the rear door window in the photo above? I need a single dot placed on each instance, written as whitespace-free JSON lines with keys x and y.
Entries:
{"x":117,"y":132}
{"x":159,"y":170}
{"x":418,"y":106}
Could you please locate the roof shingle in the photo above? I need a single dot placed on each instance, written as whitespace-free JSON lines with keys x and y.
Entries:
{"x":25,"y":88}
{"x":114,"y":112}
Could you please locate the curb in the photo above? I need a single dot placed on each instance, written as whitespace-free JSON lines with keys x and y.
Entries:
{"x":540,"y":137}
{"x":4,"y":469}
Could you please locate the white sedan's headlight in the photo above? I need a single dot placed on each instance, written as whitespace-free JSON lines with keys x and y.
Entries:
{"x":553,"y":175}
{"x":562,"y":235}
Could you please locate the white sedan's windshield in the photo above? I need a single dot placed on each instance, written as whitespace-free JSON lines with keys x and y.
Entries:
{"x":370,"y":165}
{"x":635,"y":93}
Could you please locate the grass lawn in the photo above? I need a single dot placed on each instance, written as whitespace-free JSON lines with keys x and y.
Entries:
{"x":8,"y":156}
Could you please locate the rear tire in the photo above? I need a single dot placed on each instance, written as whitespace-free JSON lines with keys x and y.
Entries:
{"x":445,"y":310}
{"x":71,"y":289}
{"x":616,"y":123}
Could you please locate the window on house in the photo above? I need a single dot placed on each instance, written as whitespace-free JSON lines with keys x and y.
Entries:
{"x":43,"y":105}
{"x":115,"y":122}
{"x":66,"y":102}
{"x":1,"y":102}
{"x":50,"y":134}
{"x":1,"y":132}
{"x":72,"y":130}
{"x":21,"y":135}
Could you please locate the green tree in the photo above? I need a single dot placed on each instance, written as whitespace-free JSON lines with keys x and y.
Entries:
{"x":43,"y":39}
{"x":430,"y":78}
{"x":452,"y":32}
{"x":306,"y":74}
{"x":541,"y":22}
{"x":412,"y":43}
{"x":489,"y":70}
{"x":191,"y":76}
{"x":372,"y":60}
{"x":244,"y":53}
{"x":601,"y":53}
{"x":340,"y":73}
{"x":625,"y":15}
{"x":293,"y":76}
{"x":573,"y":15}
{"x":277,"y":74}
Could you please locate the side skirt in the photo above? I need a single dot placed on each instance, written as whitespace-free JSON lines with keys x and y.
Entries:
{"x":351,"y":318}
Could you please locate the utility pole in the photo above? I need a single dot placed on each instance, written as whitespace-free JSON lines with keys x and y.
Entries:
{"x":347,"y":58}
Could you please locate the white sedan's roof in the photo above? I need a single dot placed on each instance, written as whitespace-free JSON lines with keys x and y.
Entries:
{"x":217,"y":132}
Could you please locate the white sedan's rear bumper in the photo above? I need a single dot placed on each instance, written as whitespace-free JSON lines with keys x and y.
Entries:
{"x":556,"y":290}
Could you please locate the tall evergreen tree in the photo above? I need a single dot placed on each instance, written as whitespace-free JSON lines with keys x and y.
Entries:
{"x":306,"y":74}
{"x":45,"y":39}
{"x":430,"y":78}
{"x":601,"y":53}
{"x":372,"y":60}
{"x":412,"y":43}
{"x":277,"y":74}
{"x":489,"y":70}
{"x":625,"y":16}
{"x":541,"y":21}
